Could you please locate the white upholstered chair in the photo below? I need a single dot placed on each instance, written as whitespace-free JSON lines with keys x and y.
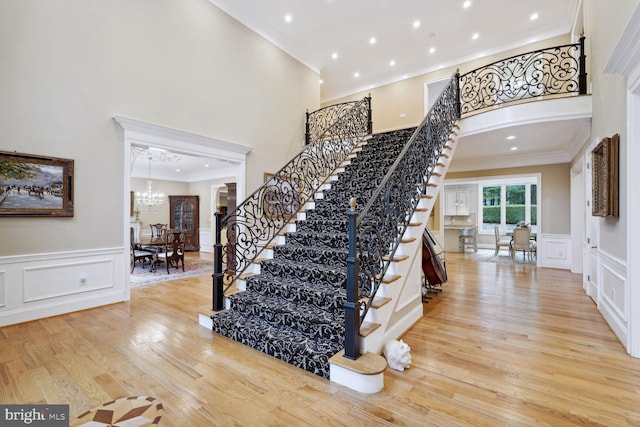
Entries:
{"x":501,"y":243}
{"x":522,"y":242}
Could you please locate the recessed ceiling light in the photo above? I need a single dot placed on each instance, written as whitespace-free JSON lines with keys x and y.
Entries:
{"x":514,"y":148}
{"x":534,"y":16}
{"x":177,"y":170}
{"x":356,"y":74}
{"x":432,"y":50}
{"x":392,"y":63}
{"x":206,"y":166}
{"x":321,"y":81}
{"x":372,"y":40}
{"x":475,"y":36}
{"x":416,"y":23}
{"x":511,"y":137}
{"x":334,"y":55}
{"x":288,"y":18}
{"x":466,"y":4}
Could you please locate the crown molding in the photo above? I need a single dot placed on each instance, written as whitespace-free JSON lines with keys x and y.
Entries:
{"x":625,"y":58}
{"x":146,"y":133}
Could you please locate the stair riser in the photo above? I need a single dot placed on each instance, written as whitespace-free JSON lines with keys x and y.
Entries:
{"x":329,"y":299}
{"x":327,"y":257}
{"x":334,"y":241}
{"x":328,"y":331}
{"x":331,"y":278}
{"x":312,"y":357}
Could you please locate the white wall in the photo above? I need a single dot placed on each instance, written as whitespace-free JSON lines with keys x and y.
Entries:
{"x":69,"y":67}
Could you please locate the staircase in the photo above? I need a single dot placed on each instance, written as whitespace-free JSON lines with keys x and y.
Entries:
{"x":292,"y":304}
{"x":292,"y":308}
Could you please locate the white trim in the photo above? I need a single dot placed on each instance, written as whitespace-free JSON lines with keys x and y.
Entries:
{"x":137,"y":132}
{"x":625,"y":60}
{"x":625,"y":57}
{"x":614,"y":308}
{"x":554,"y":251}
{"x":49,"y":284}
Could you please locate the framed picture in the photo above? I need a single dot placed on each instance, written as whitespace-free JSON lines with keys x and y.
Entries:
{"x":605,"y":179}
{"x":32,"y":185}
{"x":281,"y":196}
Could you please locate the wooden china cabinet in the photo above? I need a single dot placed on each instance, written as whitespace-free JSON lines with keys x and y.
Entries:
{"x":184,"y":212}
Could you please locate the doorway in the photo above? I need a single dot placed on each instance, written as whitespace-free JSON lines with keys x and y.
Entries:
{"x":144,"y":134}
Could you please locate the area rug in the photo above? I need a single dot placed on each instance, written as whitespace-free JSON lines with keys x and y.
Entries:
{"x":132,"y":411}
{"x":506,"y":259}
{"x":192,"y":267}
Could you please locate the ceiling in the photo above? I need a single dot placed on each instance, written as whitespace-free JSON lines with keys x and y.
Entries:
{"x":320,"y":28}
{"x":177,"y":166}
{"x":444,"y":37}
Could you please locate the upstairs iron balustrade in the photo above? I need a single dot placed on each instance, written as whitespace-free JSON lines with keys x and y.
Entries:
{"x":322,"y":119}
{"x":556,"y":71}
{"x":376,"y":230}
{"x":258,"y":219}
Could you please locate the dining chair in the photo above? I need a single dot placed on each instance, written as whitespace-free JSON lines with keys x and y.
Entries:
{"x":157,"y":233}
{"x":501,"y":243}
{"x":173,"y":252}
{"x":138,"y":254}
{"x":158,"y":230}
{"x":522,"y":242}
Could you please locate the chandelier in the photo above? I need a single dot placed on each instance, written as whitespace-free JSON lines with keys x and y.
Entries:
{"x":149,"y":201}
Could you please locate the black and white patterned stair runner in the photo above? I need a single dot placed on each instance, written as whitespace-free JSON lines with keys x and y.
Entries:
{"x":293,"y":309}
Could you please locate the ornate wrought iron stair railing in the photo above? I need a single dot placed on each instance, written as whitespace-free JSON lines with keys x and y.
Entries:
{"x":332,"y":133}
{"x":555,"y":71}
{"x":375,"y":231}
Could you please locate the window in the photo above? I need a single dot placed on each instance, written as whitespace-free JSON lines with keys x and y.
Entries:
{"x":508,"y":203}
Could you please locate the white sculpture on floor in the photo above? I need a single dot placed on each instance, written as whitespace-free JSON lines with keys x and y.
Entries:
{"x":397,"y":354}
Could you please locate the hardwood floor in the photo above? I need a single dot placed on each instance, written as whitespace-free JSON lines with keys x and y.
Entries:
{"x":502,"y":345}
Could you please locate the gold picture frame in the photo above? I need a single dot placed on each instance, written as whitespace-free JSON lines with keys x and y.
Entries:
{"x":605,"y":177}
{"x":33,"y":185}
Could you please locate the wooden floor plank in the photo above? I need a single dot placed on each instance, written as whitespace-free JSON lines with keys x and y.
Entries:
{"x":502,"y":344}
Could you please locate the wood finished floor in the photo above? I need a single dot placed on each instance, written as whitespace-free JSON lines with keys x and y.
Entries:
{"x":502,"y":345}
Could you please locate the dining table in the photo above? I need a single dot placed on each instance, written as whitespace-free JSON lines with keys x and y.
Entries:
{"x":158,"y":243}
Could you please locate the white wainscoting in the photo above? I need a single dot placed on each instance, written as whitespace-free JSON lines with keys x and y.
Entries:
{"x":613,"y":295}
{"x":206,"y":240}
{"x":554,"y":251}
{"x":43,"y":285}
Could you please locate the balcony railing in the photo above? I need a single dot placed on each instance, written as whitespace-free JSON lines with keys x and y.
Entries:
{"x":556,"y":71}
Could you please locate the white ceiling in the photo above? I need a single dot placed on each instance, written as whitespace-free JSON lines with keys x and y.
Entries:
{"x":177,"y":166}
{"x":318,"y":28}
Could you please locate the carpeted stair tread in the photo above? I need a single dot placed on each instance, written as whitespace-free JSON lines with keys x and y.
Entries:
{"x":328,"y":298}
{"x":323,"y":225}
{"x":320,"y":240}
{"x":312,"y":273}
{"x":308,"y":319}
{"x":285,"y":344}
{"x":329,"y":257}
